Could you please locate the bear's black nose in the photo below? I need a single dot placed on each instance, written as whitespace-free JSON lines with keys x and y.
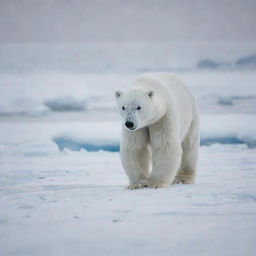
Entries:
{"x":129,"y":124}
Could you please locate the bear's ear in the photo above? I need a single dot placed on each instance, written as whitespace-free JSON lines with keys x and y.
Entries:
{"x":150,"y":94}
{"x":118,"y":94}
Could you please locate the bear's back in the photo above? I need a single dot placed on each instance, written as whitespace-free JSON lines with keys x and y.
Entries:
{"x":168,"y":83}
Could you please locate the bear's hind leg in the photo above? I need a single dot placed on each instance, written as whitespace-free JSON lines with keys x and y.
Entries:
{"x":190,"y":146}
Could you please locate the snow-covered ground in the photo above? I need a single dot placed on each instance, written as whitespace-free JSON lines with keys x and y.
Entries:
{"x":62,"y":184}
{"x":75,"y":203}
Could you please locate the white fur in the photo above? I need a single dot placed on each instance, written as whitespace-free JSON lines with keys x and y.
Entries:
{"x":163,"y":147}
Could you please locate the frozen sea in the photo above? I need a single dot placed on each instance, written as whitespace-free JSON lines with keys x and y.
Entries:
{"x":62,"y":187}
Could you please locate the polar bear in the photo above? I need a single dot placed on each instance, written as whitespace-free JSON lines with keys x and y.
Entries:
{"x":160,"y":131}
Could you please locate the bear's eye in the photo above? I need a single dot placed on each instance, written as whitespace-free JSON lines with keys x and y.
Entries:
{"x":123,"y":108}
{"x":139,"y":107}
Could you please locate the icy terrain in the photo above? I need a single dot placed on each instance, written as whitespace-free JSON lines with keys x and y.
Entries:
{"x":63,"y":188}
{"x":75,"y":203}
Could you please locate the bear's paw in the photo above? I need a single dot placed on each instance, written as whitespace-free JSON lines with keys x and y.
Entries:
{"x":183,"y":179}
{"x":155,"y":184}
{"x":141,"y":184}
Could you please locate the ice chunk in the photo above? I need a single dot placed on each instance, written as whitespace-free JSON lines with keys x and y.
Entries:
{"x":207,"y":63}
{"x":247,"y":61}
{"x":21,"y":105}
{"x":76,"y":144}
{"x":67,"y":103}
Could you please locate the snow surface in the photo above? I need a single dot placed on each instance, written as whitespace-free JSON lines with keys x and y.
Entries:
{"x":123,"y":57}
{"x":75,"y":203}
{"x":41,"y":94}
{"x":62,"y":183}
{"x":37,"y":138}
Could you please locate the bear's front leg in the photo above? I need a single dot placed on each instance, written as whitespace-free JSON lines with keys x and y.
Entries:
{"x":166,"y":161}
{"x":135,"y":157}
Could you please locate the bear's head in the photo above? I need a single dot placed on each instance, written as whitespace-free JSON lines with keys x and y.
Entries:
{"x":137,"y":108}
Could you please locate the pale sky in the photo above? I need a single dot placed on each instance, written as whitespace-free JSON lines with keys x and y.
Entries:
{"x":127,"y":20}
